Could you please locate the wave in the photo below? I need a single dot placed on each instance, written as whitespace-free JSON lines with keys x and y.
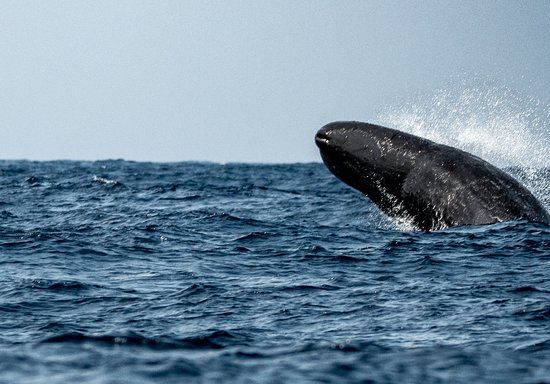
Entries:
{"x":214,"y":340}
{"x":61,"y":285}
{"x":106,"y":181}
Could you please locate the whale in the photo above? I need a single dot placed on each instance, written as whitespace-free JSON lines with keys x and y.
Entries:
{"x":430,"y":185}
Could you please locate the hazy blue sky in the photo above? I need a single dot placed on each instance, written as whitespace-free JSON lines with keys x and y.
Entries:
{"x":240,"y":80}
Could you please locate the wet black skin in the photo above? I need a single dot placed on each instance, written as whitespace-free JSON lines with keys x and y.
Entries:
{"x":434,"y":185}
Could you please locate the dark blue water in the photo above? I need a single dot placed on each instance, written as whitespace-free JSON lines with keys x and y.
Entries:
{"x":121,"y":272}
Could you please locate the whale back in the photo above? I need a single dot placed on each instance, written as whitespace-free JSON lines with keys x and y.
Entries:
{"x":454,"y":187}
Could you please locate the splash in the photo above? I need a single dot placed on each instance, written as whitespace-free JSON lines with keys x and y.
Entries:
{"x":493,"y":121}
{"x":485,"y":118}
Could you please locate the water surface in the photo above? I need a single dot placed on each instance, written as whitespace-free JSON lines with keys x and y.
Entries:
{"x":124,"y":272}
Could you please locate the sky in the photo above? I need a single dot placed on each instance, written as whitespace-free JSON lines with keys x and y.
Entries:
{"x":240,"y":81}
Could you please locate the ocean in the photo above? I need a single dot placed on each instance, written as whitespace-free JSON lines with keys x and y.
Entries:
{"x":128,"y":272}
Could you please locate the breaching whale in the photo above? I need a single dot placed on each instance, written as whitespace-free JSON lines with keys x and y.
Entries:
{"x":434,"y":185}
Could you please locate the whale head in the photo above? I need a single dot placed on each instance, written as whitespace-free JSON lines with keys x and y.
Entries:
{"x":373,"y":159}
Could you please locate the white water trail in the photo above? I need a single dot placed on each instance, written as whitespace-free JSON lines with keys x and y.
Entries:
{"x":497,"y":123}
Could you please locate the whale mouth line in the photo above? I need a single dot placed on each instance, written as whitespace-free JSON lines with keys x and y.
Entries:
{"x":322,"y":139}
